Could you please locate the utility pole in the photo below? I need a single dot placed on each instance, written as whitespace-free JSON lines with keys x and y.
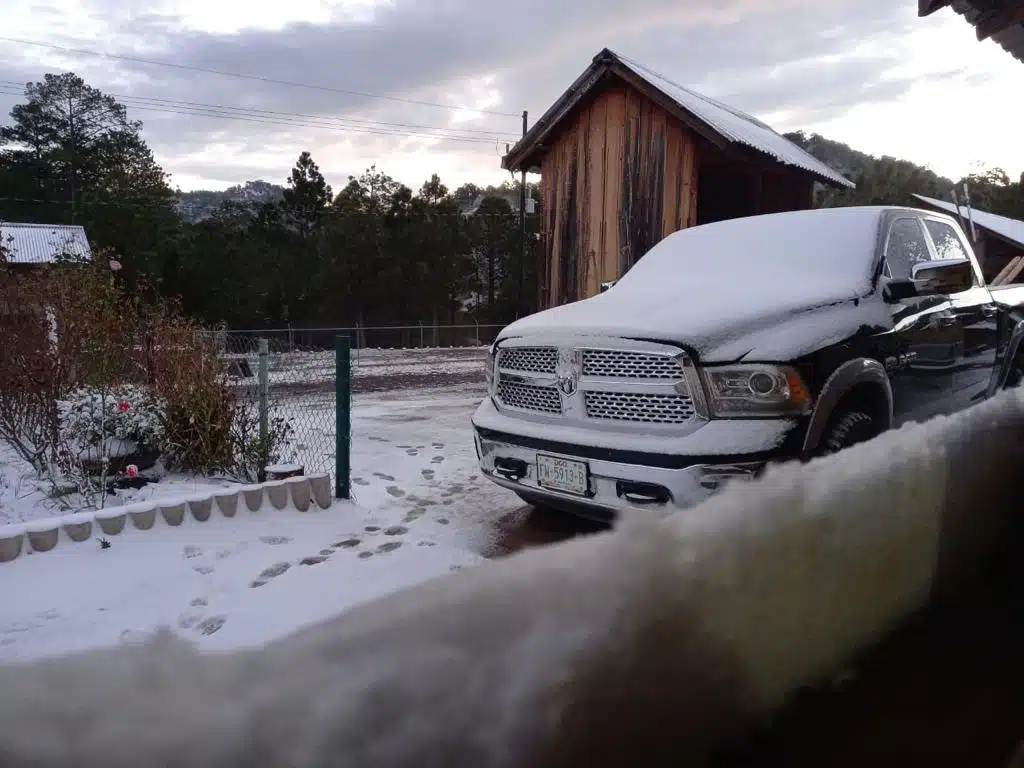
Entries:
{"x":522,"y":230}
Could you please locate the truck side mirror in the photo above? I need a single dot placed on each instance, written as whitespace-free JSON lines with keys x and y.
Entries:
{"x":943,"y":276}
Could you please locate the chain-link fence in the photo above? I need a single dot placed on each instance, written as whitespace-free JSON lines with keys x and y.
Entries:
{"x":298,"y":395}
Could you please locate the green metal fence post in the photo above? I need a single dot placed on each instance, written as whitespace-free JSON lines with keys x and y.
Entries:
{"x":263,"y":394}
{"x":342,"y":416}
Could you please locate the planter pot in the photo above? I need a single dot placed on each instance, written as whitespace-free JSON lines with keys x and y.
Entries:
{"x":277,"y":492}
{"x":227,"y":503}
{"x":283,"y":471}
{"x":143,"y":517}
{"x":142,"y":459}
{"x":78,"y":527}
{"x":173,"y":514}
{"x":12,"y":541}
{"x":112,"y":521}
{"x":300,"y":493}
{"x":201,"y":507}
{"x":253,"y":497}
{"x":320,"y":487}
{"x":43,"y":536}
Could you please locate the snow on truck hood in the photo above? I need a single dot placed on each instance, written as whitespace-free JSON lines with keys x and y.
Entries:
{"x":738,"y":288}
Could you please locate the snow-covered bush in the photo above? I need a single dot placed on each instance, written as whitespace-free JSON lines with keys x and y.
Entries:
{"x":91,"y":417}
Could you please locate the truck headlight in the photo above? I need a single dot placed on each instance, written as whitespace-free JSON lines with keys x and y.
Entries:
{"x":492,"y":357}
{"x":746,"y":391}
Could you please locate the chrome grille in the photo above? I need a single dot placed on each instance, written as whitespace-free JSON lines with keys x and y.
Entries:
{"x":644,"y":408}
{"x":614,"y":364}
{"x":530,"y":397}
{"x":529,"y":359}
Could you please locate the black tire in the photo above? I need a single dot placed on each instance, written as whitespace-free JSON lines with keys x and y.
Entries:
{"x":847,"y":428}
{"x":1015,"y":376}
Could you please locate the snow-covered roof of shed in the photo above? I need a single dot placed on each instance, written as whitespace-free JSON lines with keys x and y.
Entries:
{"x":42,"y":243}
{"x":728,"y":123}
{"x":1004,"y":226}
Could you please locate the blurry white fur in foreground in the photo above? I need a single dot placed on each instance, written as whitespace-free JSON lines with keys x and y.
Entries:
{"x":647,"y":646}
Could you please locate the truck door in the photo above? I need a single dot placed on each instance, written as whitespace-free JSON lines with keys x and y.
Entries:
{"x":928,"y":333}
{"x":977,"y":313}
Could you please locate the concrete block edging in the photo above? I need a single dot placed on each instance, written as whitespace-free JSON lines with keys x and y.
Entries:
{"x":302,"y":494}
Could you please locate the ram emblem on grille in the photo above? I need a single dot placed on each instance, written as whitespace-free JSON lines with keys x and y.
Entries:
{"x":569,"y":369}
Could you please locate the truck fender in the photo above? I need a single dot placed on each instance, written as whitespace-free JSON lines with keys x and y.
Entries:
{"x":843,"y":379}
{"x":999,"y":375}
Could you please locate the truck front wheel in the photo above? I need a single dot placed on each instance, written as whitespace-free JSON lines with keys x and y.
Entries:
{"x":847,"y":428}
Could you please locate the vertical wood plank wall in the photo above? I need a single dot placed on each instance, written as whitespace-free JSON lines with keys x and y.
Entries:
{"x":618,"y":179}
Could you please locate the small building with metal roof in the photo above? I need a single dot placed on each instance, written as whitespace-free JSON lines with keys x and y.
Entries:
{"x":627,"y":157}
{"x":998,"y":240}
{"x":24,"y":245}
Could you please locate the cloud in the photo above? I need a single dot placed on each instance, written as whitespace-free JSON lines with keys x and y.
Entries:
{"x":765,"y":56}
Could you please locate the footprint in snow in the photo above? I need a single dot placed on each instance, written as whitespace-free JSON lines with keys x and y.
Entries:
{"x":437,"y":446}
{"x":414,"y":514}
{"x":274,"y":571}
{"x":372,"y":528}
{"x":360,"y":481}
{"x":204,"y":570}
{"x":211,"y":625}
{"x":382,"y":476}
{"x":347,"y":543}
{"x":428,"y":474}
{"x":395,"y":530}
{"x":394,"y":490}
{"x":365,"y":555}
{"x":437,"y":460}
{"x":390,"y":546}
{"x":274,"y":540}
{"x":189,"y":551}
{"x":199,"y":601}
{"x":315,"y":560}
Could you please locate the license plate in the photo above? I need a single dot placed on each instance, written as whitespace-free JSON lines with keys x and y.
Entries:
{"x":562,"y":475}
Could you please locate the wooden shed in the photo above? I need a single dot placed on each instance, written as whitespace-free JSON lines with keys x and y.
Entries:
{"x":998,"y":240}
{"x":627,"y":157}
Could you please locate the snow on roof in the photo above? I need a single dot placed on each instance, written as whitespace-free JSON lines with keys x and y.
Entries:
{"x":42,"y":243}
{"x":734,"y":125}
{"x":1004,"y":226}
{"x":729,"y":124}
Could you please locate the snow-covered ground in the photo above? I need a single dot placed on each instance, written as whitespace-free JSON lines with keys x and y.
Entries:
{"x":419,"y":509}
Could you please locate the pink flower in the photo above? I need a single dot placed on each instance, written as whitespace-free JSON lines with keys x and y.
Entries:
{"x":131,"y":470}
{"x":123,"y":406}
{"x":115,"y":265}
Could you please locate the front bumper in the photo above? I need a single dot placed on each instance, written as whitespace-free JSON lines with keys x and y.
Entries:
{"x":628,"y":473}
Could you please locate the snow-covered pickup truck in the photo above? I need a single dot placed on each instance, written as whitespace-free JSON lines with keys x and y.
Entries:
{"x":732,"y":345}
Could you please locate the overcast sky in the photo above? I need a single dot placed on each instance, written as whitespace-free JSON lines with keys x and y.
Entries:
{"x":869,"y":73}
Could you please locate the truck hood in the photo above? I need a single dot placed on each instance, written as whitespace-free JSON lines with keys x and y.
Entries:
{"x":770,"y":329}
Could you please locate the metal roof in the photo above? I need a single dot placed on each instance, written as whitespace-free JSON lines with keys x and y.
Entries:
{"x":714,"y":120}
{"x":1004,"y":226}
{"x":42,"y":243}
{"x":1000,"y":21}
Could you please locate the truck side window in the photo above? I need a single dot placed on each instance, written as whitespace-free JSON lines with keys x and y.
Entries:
{"x":905,"y":247}
{"x":948,"y":244}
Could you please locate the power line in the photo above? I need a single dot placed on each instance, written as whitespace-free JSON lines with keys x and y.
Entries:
{"x":301,"y":123}
{"x":256,"y":112}
{"x":86,"y":203}
{"x":258,"y":78}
